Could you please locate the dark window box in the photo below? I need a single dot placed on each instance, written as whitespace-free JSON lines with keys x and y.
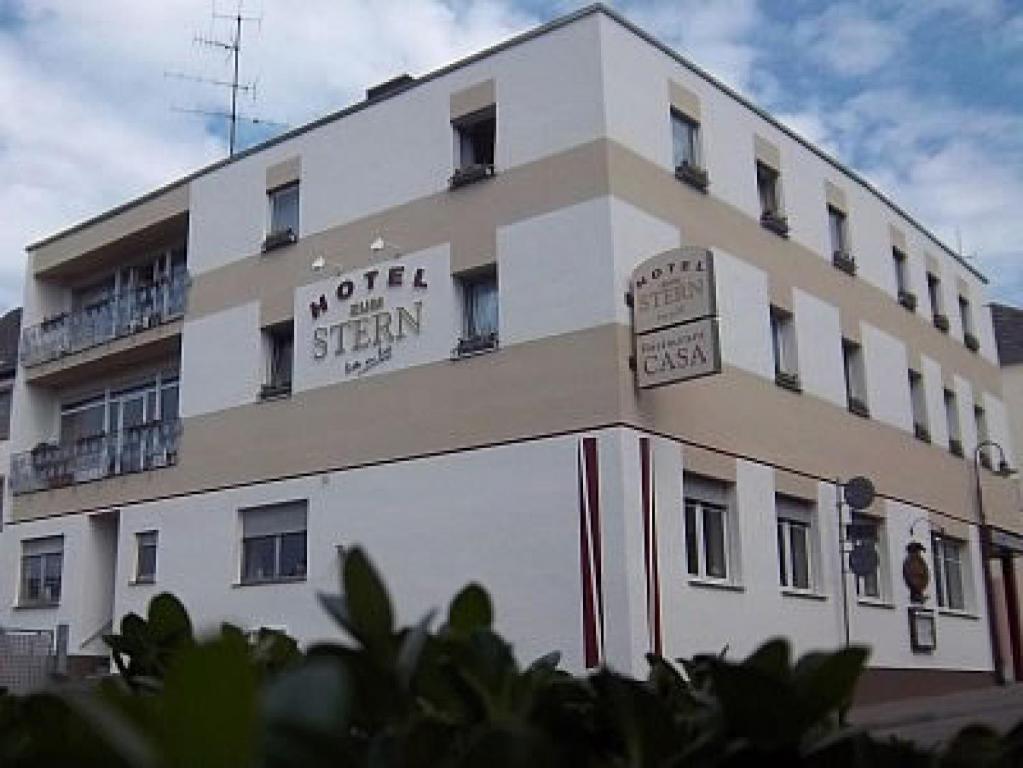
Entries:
{"x":775,"y":222}
{"x":789,"y":381}
{"x":470,"y":174}
{"x":922,"y":433}
{"x":955,"y":447}
{"x":279,"y":239}
{"x":859,"y":407}
{"x":908,"y":300}
{"x":693,"y":176}
{"x":985,"y":460}
{"x":941,"y":322}
{"x":844,"y":261}
{"x":271,"y":391}
{"x":972,"y":342}
{"x":475,"y":345}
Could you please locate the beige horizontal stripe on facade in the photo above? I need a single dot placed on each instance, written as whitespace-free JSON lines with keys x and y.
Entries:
{"x":490,"y":399}
{"x":797,"y":486}
{"x":473,"y":99}
{"x":468,"y":220}
{"x":835,"y":197}
{"x":706,"y":463}
{"x":683,"y":100}
{"x":284,"y":172}
{"x":766,"y":152}
{"x":152,"y":213}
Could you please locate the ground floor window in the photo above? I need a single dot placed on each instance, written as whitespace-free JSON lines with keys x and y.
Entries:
{"x":795,"y":543}
{"x":949,"y":556}
{"x":42,"y":565}
{"x":868,"y":532}
{"x":274,"y":542}
{"x":145,"y":564}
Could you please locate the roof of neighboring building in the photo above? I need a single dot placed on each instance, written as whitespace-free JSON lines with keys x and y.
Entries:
{"x":1008,"y":323}
{"x":10,"y":336}
{"x":543,"y":29}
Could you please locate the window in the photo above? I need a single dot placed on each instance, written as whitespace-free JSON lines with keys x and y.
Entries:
{"x":82,"y":420}
{"x":795,"y":543}
{"x":767,"y":188}
{"x":783,"y":339}
{"x":966,"y":318}
{"x":5,"y":414}
{"x":949,"y":557}
{"x":918,"y":401}
{"x":855,"y":377}
{"x":980,"y":419}
{"x":937,"y":305}
{"x":145,"y":562}
{"x":869,"y":532}
{"x":955,"y":443}
{"x":479,"y":312}
{"x":42,"y":562}
{"x":901,"y":267}
{"x":706,"y":528}
{"x":685,"y":140}
{"x":837,"y":231}
{"x":274,"y":542}
{"x":475,"y":138}
{"x":283,"y":227}
{"x":279,"y":344}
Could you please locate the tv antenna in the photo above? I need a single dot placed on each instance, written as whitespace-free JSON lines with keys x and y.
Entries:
{"x":233,"y":48}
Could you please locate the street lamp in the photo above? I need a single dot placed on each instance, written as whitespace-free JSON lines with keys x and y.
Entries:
{"x":985,"y":550}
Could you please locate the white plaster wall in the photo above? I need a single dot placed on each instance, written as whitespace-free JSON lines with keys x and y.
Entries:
{"x":400,"y":149}
{"x":999,"y":428}
{"x":967,"y":420}
{"x":507,"y":517}
{"x":744,"y":308}
{"x":819,"y":347}
{"x":1012,"y":392}
{"x":887,"y":391}
{"x":934,"y":396}
{"x":555,"y":272}
{"x":636,"y":236}
{"x":221,"y":360}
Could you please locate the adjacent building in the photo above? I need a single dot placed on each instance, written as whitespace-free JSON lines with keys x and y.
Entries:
{"x":406,"y":326}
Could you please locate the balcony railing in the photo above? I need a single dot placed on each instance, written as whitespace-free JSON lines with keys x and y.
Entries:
{"x":136,"y":449}
{"x":120,"y":315}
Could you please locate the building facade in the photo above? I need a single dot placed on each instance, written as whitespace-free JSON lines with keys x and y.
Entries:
{"x":405,"y":326}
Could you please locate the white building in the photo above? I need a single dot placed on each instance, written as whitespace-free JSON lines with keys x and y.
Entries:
{"x":198,"y":410}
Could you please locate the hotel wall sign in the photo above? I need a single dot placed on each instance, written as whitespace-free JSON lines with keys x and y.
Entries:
{"x":675,"y":328}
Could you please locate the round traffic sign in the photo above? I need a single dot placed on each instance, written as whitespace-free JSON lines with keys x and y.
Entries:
{"x":858,"y":493}
{"x":863,"y":559}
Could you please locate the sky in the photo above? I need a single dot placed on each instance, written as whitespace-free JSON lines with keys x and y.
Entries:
{"x":925,"y":99}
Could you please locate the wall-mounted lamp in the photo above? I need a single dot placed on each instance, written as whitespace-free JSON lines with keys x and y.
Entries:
{"x":320,"y":264}
{"x":379,"y":245}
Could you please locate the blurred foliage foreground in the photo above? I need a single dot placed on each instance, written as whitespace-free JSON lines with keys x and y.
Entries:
{"x":455,"y":696}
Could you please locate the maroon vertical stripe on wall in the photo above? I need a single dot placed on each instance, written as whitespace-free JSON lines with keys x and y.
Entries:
{"x":650,"y":566}
{"x":590,"y":552}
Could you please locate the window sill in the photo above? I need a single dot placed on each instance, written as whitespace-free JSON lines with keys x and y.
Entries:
{"x":789,"y":381}
{"x":36,"y":606}
{"x":263,"y":582}
{"x":471,"y":174}
{"x":870,"y":602}
{"x":270,"y":392}
{"x":141,"y":582}
{"x":471,"y":347}
{"x":276,"y":240}
{"x":952,"y":613}
{"x":704,"y":583}
{"x":804,"y":594}
{"x":693,"y":176}
{"x":775,"y":223}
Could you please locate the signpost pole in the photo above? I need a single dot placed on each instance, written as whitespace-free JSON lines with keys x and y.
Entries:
{"x":841,"y":559}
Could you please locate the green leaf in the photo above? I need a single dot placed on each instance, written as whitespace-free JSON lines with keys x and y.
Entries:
{"x":825,"y":682}
{"x":368,"y":605}
{"x":168,"y":620}
{"x":470,"y":610}
{"x":411,"y":649}
{"x":772,"y":657}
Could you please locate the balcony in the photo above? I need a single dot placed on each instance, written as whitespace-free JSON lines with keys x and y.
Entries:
{"x":122,"y":314}
{"x":136,"y":449}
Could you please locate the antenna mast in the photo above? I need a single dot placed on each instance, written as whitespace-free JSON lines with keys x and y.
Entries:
{"x":233,"y":47}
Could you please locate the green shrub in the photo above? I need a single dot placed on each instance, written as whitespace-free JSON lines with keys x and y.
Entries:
{"x":451,"y":696}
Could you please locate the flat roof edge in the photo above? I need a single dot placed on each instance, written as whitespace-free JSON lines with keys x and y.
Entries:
{"x":486,"y":52}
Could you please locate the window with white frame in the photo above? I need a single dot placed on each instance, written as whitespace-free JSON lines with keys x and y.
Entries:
{"x":869,"y":531}
{"x":796,"y":543}
{"x":768,"y":189}
{"x":707,"y":528}
{"x":966,"y":317}
{"x":855,"y":377}
{"x":901,"y":266}
{"x":42,"y":565}
{"x":283,"y":202}
{"x":918,"y":401}
{"x":145,"y":557}
{"x":475,"y":138}
{"x":934,"y":294}
{"x":479,"y":311}
{"x":955,"y":438}
{"x":274,"y":542}
{"x":279,"y":346}
{"x":949,"y":572}
{"x":685,"y":140}
{"x":837,"y":228}
{"x":783,"y":342}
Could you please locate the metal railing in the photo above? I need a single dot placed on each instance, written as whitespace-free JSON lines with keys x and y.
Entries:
{"x":122,"y":314}
{"x":56,"y":465}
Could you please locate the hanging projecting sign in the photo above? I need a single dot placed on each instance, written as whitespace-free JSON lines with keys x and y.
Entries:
{"x":384,"y":317}
{"x":675,"y":330}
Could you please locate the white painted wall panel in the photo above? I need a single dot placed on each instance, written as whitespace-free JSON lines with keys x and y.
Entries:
{"x":819,"y":347}
{"x":221,"y":360}
{"x":744,"y":309}
{"x":636,"y":236}
{"x":887,"y":388}
{"x":934,"y":391}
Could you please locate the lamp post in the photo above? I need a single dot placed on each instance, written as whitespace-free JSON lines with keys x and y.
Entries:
{"x":985,"y":551}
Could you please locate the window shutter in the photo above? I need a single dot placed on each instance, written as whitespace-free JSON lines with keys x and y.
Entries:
{"x":51,"y":545}
{"x":289,"y":517}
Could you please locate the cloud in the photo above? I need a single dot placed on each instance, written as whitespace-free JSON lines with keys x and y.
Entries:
{"x":848,"y":40}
